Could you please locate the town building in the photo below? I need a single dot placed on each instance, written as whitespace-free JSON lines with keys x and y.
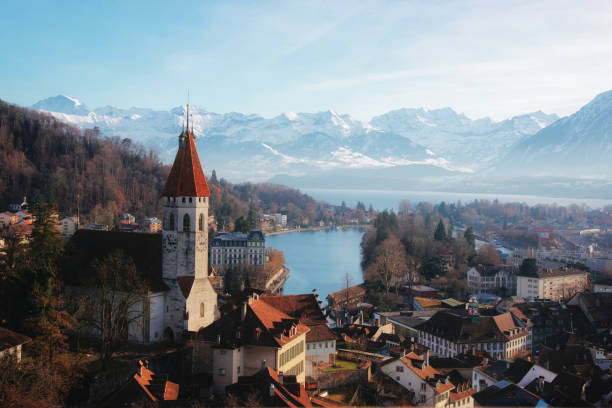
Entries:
{"x":448,"y":333}
{"x":492,"y":279}
{"x":603,"y":286}
{"x":234,"y":250}
{"x":597,"y":307}
{"x":320,"y":340}
{"x":144,"y":387}
{"x":346,"y":297}
{"x":422,"y":291}
{"x":174,"y":264}
{"x":554,"y":284}
{"x":427,"y":385}
{"x":152,"y":225}
{"x":11,"y":343}
{"x":69,"y":225}
{"x":251,"y":337}
{"x":505,"y":393}
{"x":271,"y":389}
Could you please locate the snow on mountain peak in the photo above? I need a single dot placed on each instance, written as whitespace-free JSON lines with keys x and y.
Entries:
{"x":62,"y":104}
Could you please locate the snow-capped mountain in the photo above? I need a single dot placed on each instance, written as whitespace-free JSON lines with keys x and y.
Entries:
{"x":465,"y":142}
{"x":576,"y":146}
{"x":251,"y":147}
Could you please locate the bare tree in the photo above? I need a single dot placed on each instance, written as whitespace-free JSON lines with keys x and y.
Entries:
{"x":115,"y":303}
{"x":389,"y":263}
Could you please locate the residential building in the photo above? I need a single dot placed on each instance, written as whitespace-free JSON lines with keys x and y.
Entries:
{"x":273,"y":389}
{"x":237,"y":249}
{"x":603,"y":286}
{"x":69,"y":225}
{"x":152,"y":225}
{"x":428,"y":386}
{"x":8,"y":218}
{"x":251,"y":337}
{"x":505,"y":393}
{"x":492,"y":279}
{"x":144,"y":387}
{"x":11,"y":343}
{"x":597,"y":307}
{"x":554,"y":284}
{"x":346,"y":297}
{"x":320,"y":340}
{"x":422,"y":291}
{"x":448,"y":333}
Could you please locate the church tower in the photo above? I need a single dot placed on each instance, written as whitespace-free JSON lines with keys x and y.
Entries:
{"x":191,"y":302}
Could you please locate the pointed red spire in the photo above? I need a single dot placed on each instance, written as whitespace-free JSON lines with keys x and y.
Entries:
{"x":186,"y":178}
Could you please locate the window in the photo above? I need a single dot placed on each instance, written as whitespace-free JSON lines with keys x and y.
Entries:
{"x":399,"y":369}
{"x":423,"y":387}
{"x":201,"y":309}
{"x":183,"y":199}
{"x":238,"y":370}
{"x":186,"y":223}
{"x":171,"y":223}
{"x":222,"y":371}
{"x":201,"y":222}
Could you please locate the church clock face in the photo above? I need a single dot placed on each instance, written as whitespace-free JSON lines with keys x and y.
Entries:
{"x":170,"y":243}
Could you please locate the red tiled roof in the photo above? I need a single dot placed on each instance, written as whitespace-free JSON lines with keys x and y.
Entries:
{"x":10,"y":339}
{"x":271,"y":317}
{"x":320,"y":332}
{"x":303,"y":307}
{"x":186,"y":177}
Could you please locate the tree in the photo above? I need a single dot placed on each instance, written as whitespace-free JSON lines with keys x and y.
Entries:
{"x":213,"y":178}
{"x":116,"y":292}
{"x":440,"y":234}
{"x":389,"y":263}
{"x":46,"y":317}
{"x":529,"y":267}
{"x":242,"y":225}
{"x":487,"y":255}
{"x":470,"y":237}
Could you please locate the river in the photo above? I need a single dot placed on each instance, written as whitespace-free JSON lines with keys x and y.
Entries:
{"x":320,"y":259}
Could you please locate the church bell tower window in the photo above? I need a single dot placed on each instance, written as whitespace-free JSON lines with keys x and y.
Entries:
{"x":186,"y":223}
{"x":201,"y":222}
{"x":171,"y":223}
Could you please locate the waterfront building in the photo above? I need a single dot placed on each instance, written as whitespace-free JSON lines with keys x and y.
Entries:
{"x":554,"y":284}
{"x":229,"y":250}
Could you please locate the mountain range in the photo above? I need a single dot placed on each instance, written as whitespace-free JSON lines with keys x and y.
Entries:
{"x":409,"y":148}
{"x":300,"y":143}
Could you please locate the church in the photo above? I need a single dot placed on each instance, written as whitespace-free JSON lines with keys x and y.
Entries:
{"x":174,"y":263}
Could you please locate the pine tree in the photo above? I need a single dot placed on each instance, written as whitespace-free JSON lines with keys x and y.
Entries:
{"x":470,"y":237}
{"x":440,"y":234}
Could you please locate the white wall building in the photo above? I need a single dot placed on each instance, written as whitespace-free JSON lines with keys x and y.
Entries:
{"x":554,"y":284}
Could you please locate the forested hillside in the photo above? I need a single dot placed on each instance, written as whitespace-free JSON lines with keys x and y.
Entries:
{"x":50,"y":161}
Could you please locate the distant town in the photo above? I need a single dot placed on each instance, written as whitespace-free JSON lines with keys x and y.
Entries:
{"x":461,"y":305}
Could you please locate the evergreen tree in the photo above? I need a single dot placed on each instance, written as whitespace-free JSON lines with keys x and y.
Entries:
{"x":242,"y":225}
{"x":213,"y":178}
{"x":470,"y":237}
{"x":529,"y":267}
{"x":440,"y":234}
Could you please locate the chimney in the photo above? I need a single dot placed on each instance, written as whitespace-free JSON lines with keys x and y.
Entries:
{"x":244,"y":310}
{"x":280,"y":377}
{"x":263,"y":363}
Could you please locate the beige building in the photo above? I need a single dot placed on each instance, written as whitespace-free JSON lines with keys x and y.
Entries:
{"x":253,"y":336}
{"x":449,"y":333}
{"x":554,"y":284}
{"x":430,"y":387}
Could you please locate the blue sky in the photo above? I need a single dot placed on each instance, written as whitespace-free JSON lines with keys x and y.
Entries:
{"x":483,"y":58}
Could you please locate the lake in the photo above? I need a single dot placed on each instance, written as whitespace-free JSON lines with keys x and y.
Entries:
{"x":320,"y":259}
{"x":390,"y":199}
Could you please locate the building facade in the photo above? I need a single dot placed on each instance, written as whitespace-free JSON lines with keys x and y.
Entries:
{"x":236,"y":249}
{"x":492,"y":279}
{"x":449,"y":333}
{"x":554,"y":284}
